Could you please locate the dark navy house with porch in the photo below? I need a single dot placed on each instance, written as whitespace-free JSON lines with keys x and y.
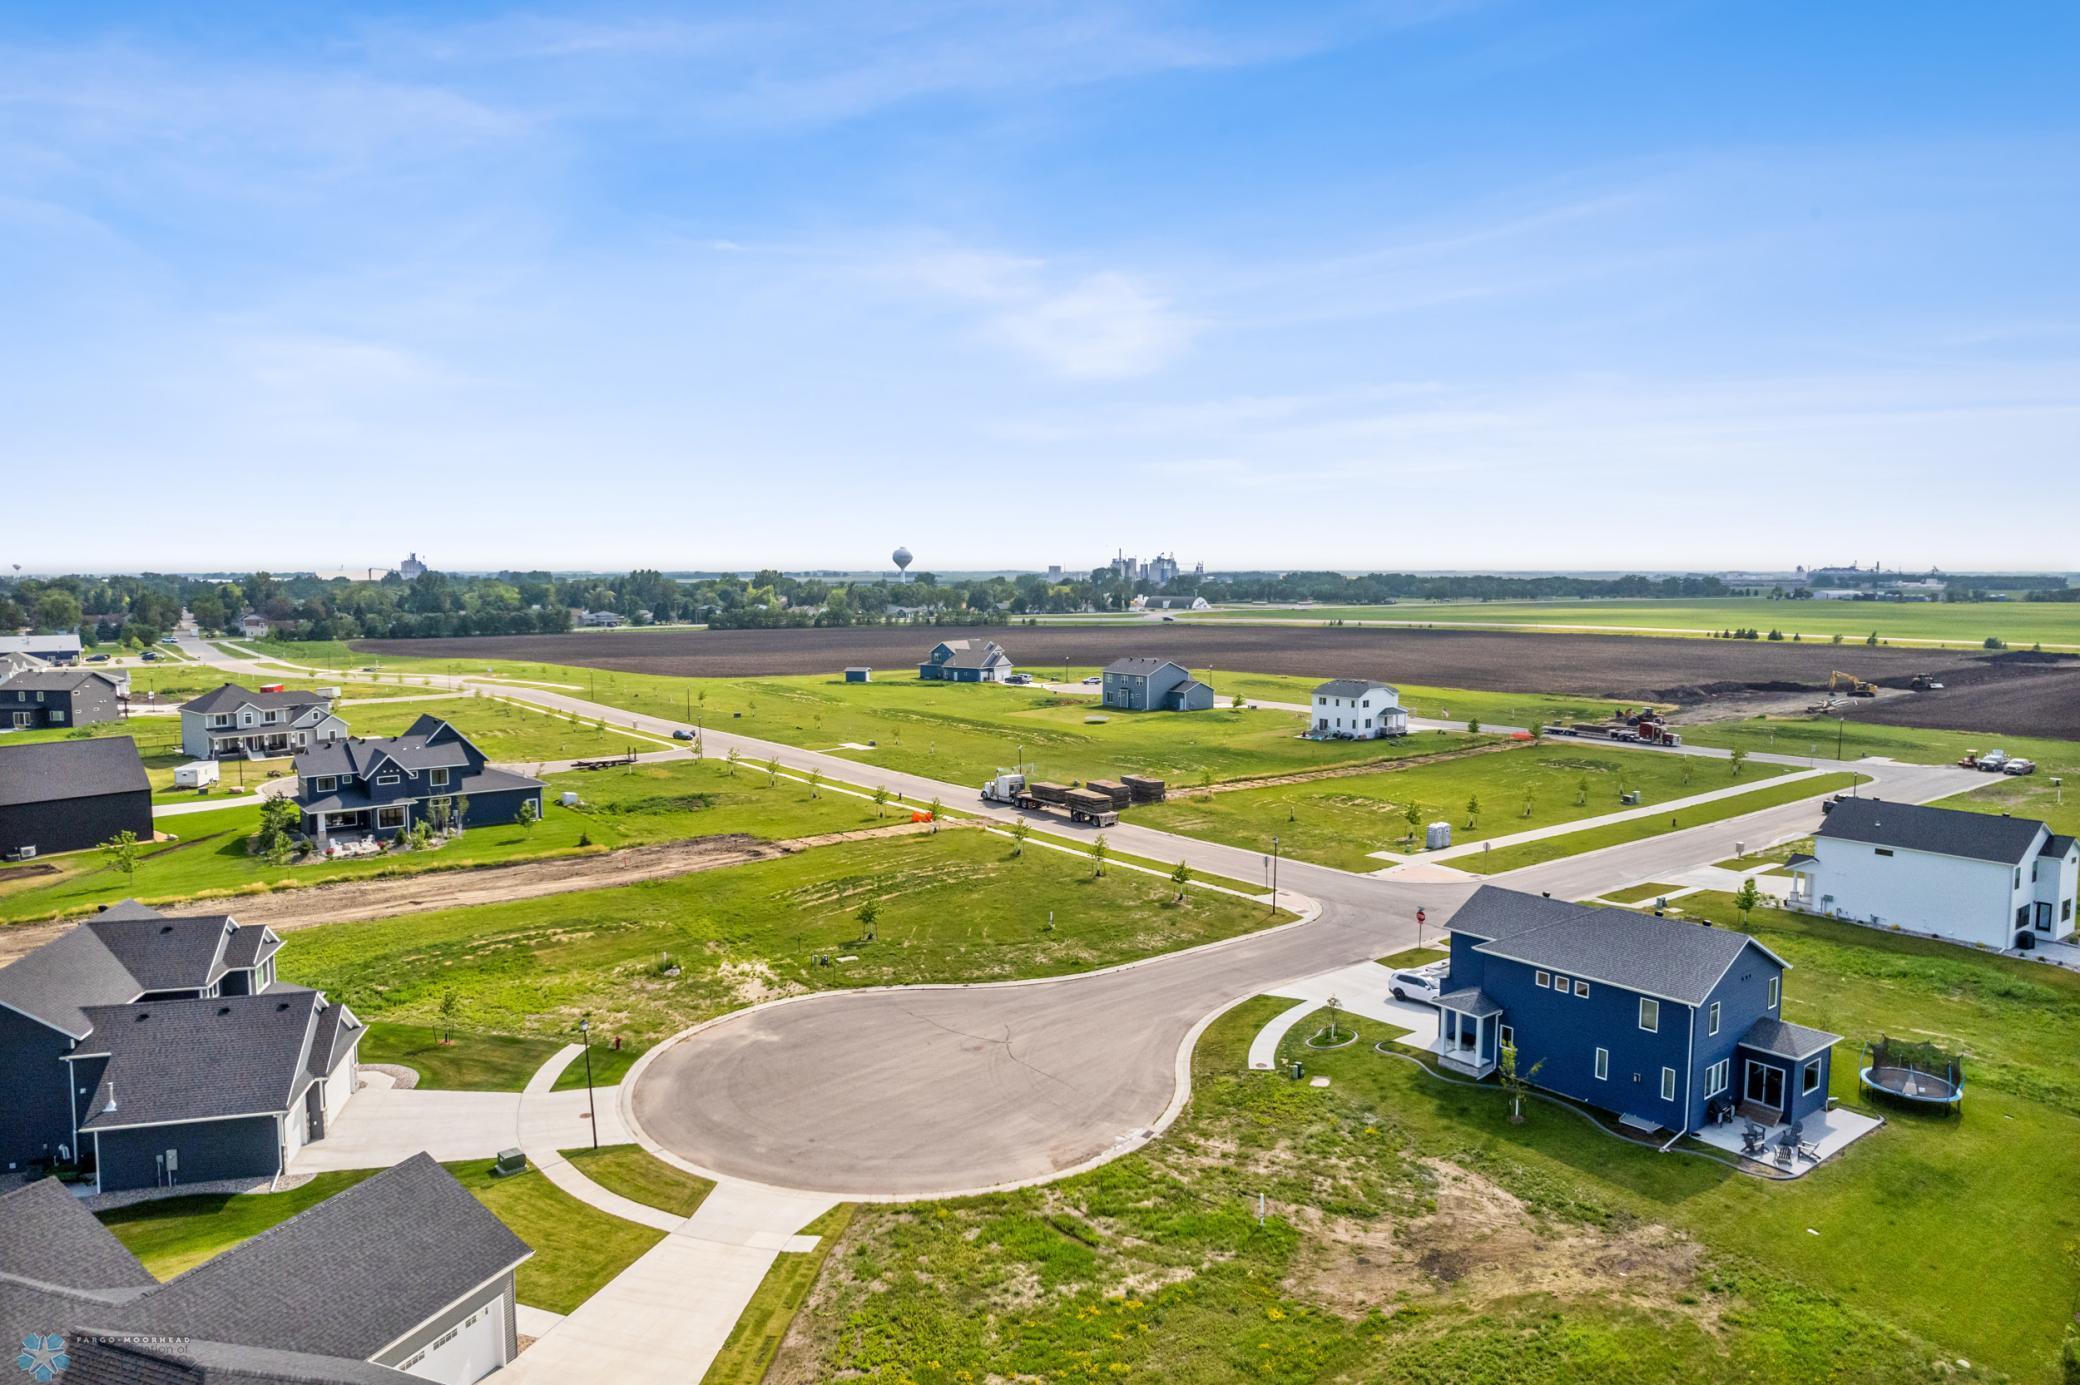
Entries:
{"x":380,"y":786}
{"x":1663,"y":1023}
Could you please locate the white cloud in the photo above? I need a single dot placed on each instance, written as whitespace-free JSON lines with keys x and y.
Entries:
{"x":1105,"y":326}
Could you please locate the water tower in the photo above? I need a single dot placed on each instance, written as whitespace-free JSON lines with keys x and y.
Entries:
{"x":902,"y":557}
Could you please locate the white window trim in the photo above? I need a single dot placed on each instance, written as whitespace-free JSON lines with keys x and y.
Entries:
{"x":1544,"y":978}
{"x":1581,"y":989}
{"x":1644,"y":1002}
{"x":1603,"y":1065}
{"x":1713,"y":1026}
{"x":1809,"y":1077}
{"x":1776,"y":991}
{"x":1668,"y":1084}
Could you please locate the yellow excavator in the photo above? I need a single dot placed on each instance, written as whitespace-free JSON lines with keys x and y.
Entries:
{"x":1856,"y":686}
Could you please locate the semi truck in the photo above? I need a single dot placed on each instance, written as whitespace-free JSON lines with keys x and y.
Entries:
{"x":1080,"y":804}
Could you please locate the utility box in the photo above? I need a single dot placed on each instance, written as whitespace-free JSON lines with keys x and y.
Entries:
{"x":1438,"y":836}
{"x":1629,"y":797}
{"x":510,"y":1162}
{"x":570,"y":798}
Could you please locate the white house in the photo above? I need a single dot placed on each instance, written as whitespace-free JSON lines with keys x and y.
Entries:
{"x":232,"y":721}
{"x":1358,"y":709}
{"x":1970,"y":877}
{"x":601,"y":620}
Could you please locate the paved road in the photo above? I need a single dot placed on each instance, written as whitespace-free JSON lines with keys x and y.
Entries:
{"x":923,"y":1091}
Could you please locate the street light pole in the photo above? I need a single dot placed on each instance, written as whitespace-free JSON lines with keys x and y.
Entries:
{"x":591,"y":1111}
{"x":1274,"y":873}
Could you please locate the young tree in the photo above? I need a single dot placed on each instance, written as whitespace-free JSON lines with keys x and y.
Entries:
{"x":120,"y":852}
{"x":530,"y":814}
{"x":1581,"y":791}
{"x":1528,"y":798}
{"x":815,"y":783}
{"x":1181,"y":877}
{"x":1098,"y":851}
{"x":1473,"y":810}
{"x":1515,"y":1083}
{"x":451,"y":1006}
{"x":935,"y":810}
{"x":1020,"y":830}
{"x":1413,"y":816}
{"x":461,"y":814}
{"x":1473,"y":725}
{"x":1740,"y":758}
{"x":880,"y":800}
{"x":869,"y":914}
{"x":772,"y":772}
{"x":731,"y":771}
{"x":1746,"y":898}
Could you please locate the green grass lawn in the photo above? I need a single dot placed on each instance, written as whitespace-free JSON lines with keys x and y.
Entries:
{"x":1653,"y":825}
{"x":630,"y":806}
{"x":1339,"y":822}
{"x":1965,"y":624}
{"x":2025,"y":796}
{"x":1415,"y":1234}
{"x":755,"y":1340}
{"x":179,"y":1233}
{"x":1442,"y":704}
{"x":640,"y":1176}
{"x":1640,"y":894}
{"x":457,"y":1060}
{"x":577,"y":1248}
{"x":506,"y":732}
{"x":954,"y":906}
{"x":1823,"y":738}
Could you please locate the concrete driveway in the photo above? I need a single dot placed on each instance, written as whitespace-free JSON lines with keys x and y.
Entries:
{"x":382,"y":1126}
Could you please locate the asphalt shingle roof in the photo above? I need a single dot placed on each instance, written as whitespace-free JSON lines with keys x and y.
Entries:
{"x":248,"y":946}
{"x":230,"y":697}
{"x":1666,"y":958}
{"x":2056,"y":846}
{"x":55,"y":983}
{"x":53,"y":771}
{"x":180,"y":1060}
{"x":45,"y":1233}
{"x":428,"y":743}
{"x":113,"y":958}
{"x":1138,"y":666}
{"x":52,"y":680}
{"x":351,"y":1275}
{"x":1787,"y":1040}
{"x":166,"y":953}
{"x":1470,"y":1000}
{"x":1945,"y":831}
{"x":467,"y":784}
{"x":1354,"y":687}
{"x":107,"y":1358}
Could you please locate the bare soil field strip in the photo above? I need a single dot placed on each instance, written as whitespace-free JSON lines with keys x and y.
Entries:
{"x":2016,"y":693}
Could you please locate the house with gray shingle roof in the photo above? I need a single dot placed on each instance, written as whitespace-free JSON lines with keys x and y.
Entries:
{"x":966,"y":661}
{"x":40,"y":698}
{"x":403,"y":1276}
{"x":379,"y":786}
{"x":230,"y":721}
{"x":153,"y":1050}
{"x":1137,"y":684}
{"x":1361,"y":709}
{"x":1984,"y":878}
{"x":1664,"y":1023}
{"x":68,"y":795}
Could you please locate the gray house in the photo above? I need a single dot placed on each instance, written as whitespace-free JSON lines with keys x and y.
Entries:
{"x":42,"y":698}
{"x":966,"y":661}
{"x":231,"y":721}
{"x":402,"y":1276}
{"x":157,"y":1051}
{"x":381,"y":785}
{"x":52,"y":649}
{"x":71,"y":794}
{"x":1154,"y":685}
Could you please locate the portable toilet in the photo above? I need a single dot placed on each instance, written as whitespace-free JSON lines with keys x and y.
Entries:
{"x":859,"y":675}
{"x":1438,"y":836}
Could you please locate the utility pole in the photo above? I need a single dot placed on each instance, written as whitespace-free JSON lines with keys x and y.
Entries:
{"x":1274,"y":873}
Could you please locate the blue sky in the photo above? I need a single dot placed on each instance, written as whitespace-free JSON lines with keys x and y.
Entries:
{"x":1394,"y":285}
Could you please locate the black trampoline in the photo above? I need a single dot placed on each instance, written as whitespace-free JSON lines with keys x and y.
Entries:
{"x":1917,"y":1072}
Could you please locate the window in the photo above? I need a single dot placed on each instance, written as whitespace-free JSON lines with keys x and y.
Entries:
{"x":2065,"y":911}
{"x":1581,"y":988}
{"x":1884,"y":850}
{"x":1776,"y":987}
{"x":1544,"y":978}
{"x":1650,"y":1015}
{"x":1603,"y":1064}
{"x":1668,"y":1084}
{"x":390,"y":778}
{"x":1713,"y":1016}
{"x":1509,"y":1034}
{"x":2018,"y":869}
{"x":324,"y":783}
{"x":389,"y":817}
{"x":57,"y":717}
{"x":1811,"y":1080}
{"x":438,"y":778}
{"x":1560,"y":984}
{"x":1716,"y":1077}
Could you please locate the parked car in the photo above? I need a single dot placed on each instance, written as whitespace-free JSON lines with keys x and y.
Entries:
{"x":1093,"y":681}
{"x":2019,"y":767}
{"x":1425,"y":985}
{"x":682,"y":734}
{"x":150,"y":656}
{"x":97,"y":658}
{"x":1020,"y":678}
{"x":1992,"y":761}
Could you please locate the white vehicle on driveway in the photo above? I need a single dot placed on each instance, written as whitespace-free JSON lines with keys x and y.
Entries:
{"x":1424,"y":984}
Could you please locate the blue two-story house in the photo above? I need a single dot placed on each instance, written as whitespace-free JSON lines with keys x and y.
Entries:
{"x":381,"y":785}
{"x":966,"y":661}
{"x":1663,"y":1023}
{"x":43,"y":698}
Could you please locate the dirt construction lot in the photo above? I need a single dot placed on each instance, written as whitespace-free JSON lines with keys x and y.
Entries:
{"x":2015,"y":694}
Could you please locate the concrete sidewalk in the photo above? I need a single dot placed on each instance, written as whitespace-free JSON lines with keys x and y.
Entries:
{"x":1360,"y":990}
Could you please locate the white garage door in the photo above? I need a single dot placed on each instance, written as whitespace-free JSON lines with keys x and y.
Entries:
{"x":468,"y":1351}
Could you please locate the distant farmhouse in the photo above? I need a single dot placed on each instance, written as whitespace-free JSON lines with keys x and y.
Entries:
{"x":1663,"y":1023}
{"x":158,"y":1050}
{"x":1998,"y":881}
{"x":1358,"y":709}
{"x":1171,"y":603}
{"x":403,"y":1275}
{"x":232,"y":721}
{"x":600,"y":620}
{"x":966,"y":661}
{"x":42,"y":698}
{"x":253,"y":626}
{"x":1153,"y":685}
{"x":52,"y":649}
{"x":72,"y":794}
{"x":380,"y":786}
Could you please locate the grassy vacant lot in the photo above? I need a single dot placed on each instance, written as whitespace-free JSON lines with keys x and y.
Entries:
{"x":1965,"y":624}
{"x":640,"y":1176}
{"x":1653,"y":825}
{"x":458,"y":1060}
{"x":506,"y":733}
{"x":2028,"y":796}
{"x":1339,"y":822}
{"x":748,"y":1352}
{"x":954,"y":906}
{"x":959,"y":732}
{"x":1822,"y":737}
{"x":631,"y":806}
{"x":1442,"y":704}
{"x":1414,"y":1234}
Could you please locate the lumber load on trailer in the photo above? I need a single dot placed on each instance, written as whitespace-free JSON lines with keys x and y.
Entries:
{"x":1143,"y":789}
{"x":1043,"y":792}
{"x":1120,"y":794}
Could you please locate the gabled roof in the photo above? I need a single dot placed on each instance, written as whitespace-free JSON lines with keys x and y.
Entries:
{"x":45,"y":1233}
{"x":1354,"y":687}
{"x":184,"y":1060}
{"x":1783,"y":1039}
{"x":230,"y":697}
{"x":166,"y":954}
{"x":54,"y":984}
{"x":1664,"y":958}
{"x":53,"y":680}
{"x":249,"y":945}
{"x":112,"y":959}
{"x":2057,"y":846}
{"x":55,"y":771}
{"x":353,"y":797}
{"x":1140,"y":667}
{"x":1469,"y":1000}
{"x":1942,"y":831}
{"x":988,"y":652}
{"x":349,"y":1277}
{"x":106,"y":1356}
{"x":428,"y":743}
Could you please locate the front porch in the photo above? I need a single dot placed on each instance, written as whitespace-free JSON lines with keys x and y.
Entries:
{"x":1819,"y":1138}
{"x":1469,"y":1033}
{"x":264,"y":745}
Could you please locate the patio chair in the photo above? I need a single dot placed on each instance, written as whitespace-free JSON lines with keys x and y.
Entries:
{"x":1752,"y":1137}
{"x":1786,"y":1154}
